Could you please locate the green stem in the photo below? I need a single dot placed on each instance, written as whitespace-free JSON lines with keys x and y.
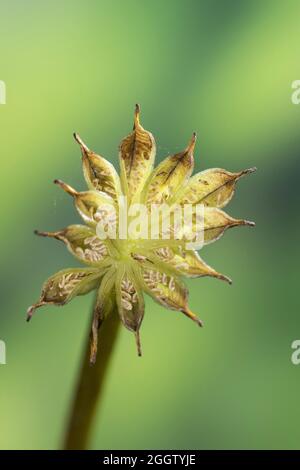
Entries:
{"x":90,"y":385}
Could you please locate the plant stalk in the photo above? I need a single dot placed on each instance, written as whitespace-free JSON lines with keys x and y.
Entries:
{"x":90,"y":385}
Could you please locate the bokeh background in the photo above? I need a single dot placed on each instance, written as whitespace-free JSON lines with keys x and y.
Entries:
{"x":223,"y":69}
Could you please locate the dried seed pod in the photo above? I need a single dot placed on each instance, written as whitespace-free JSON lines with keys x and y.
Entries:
{"x":167,"y":290}
{"x":103,"y":306}
{"x":169,"y":175}
{"x":121,"y":268}
{"x":130,"y":302}
{"x":213,"y":225}
{"x":213,"y":188}
{"x":64,"y":285}
{"x":185,"y":263}
{"x":83,"y":243}
{"x":136,"y":153}
{"x":89,"y":203}
{"x":98,"y":172}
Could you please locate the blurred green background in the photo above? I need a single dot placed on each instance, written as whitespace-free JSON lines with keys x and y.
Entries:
{"x":223,"y":69}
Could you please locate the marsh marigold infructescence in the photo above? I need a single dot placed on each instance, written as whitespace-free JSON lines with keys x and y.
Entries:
{"x":123,"y":269}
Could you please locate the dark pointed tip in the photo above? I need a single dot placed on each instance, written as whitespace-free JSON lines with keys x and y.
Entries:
{"x":192,"y":143}
{"x":84,"y":147}
{"x":77,"y":138}
{"x":137,"y":115}
{"x":249,"y":223}
{"x":41,"y":234}
{"x":138,"y":343}
{"x":30,"y":311}
{"x":248,"y":171}
{"x":252,"y":170}
{"x":66,"y":187}
{"x":192,"y":316}
{"x":225,"y":278}
{"x":48,"y":234}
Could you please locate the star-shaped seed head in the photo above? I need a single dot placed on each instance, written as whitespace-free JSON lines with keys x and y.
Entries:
{"x":122,"y":265}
